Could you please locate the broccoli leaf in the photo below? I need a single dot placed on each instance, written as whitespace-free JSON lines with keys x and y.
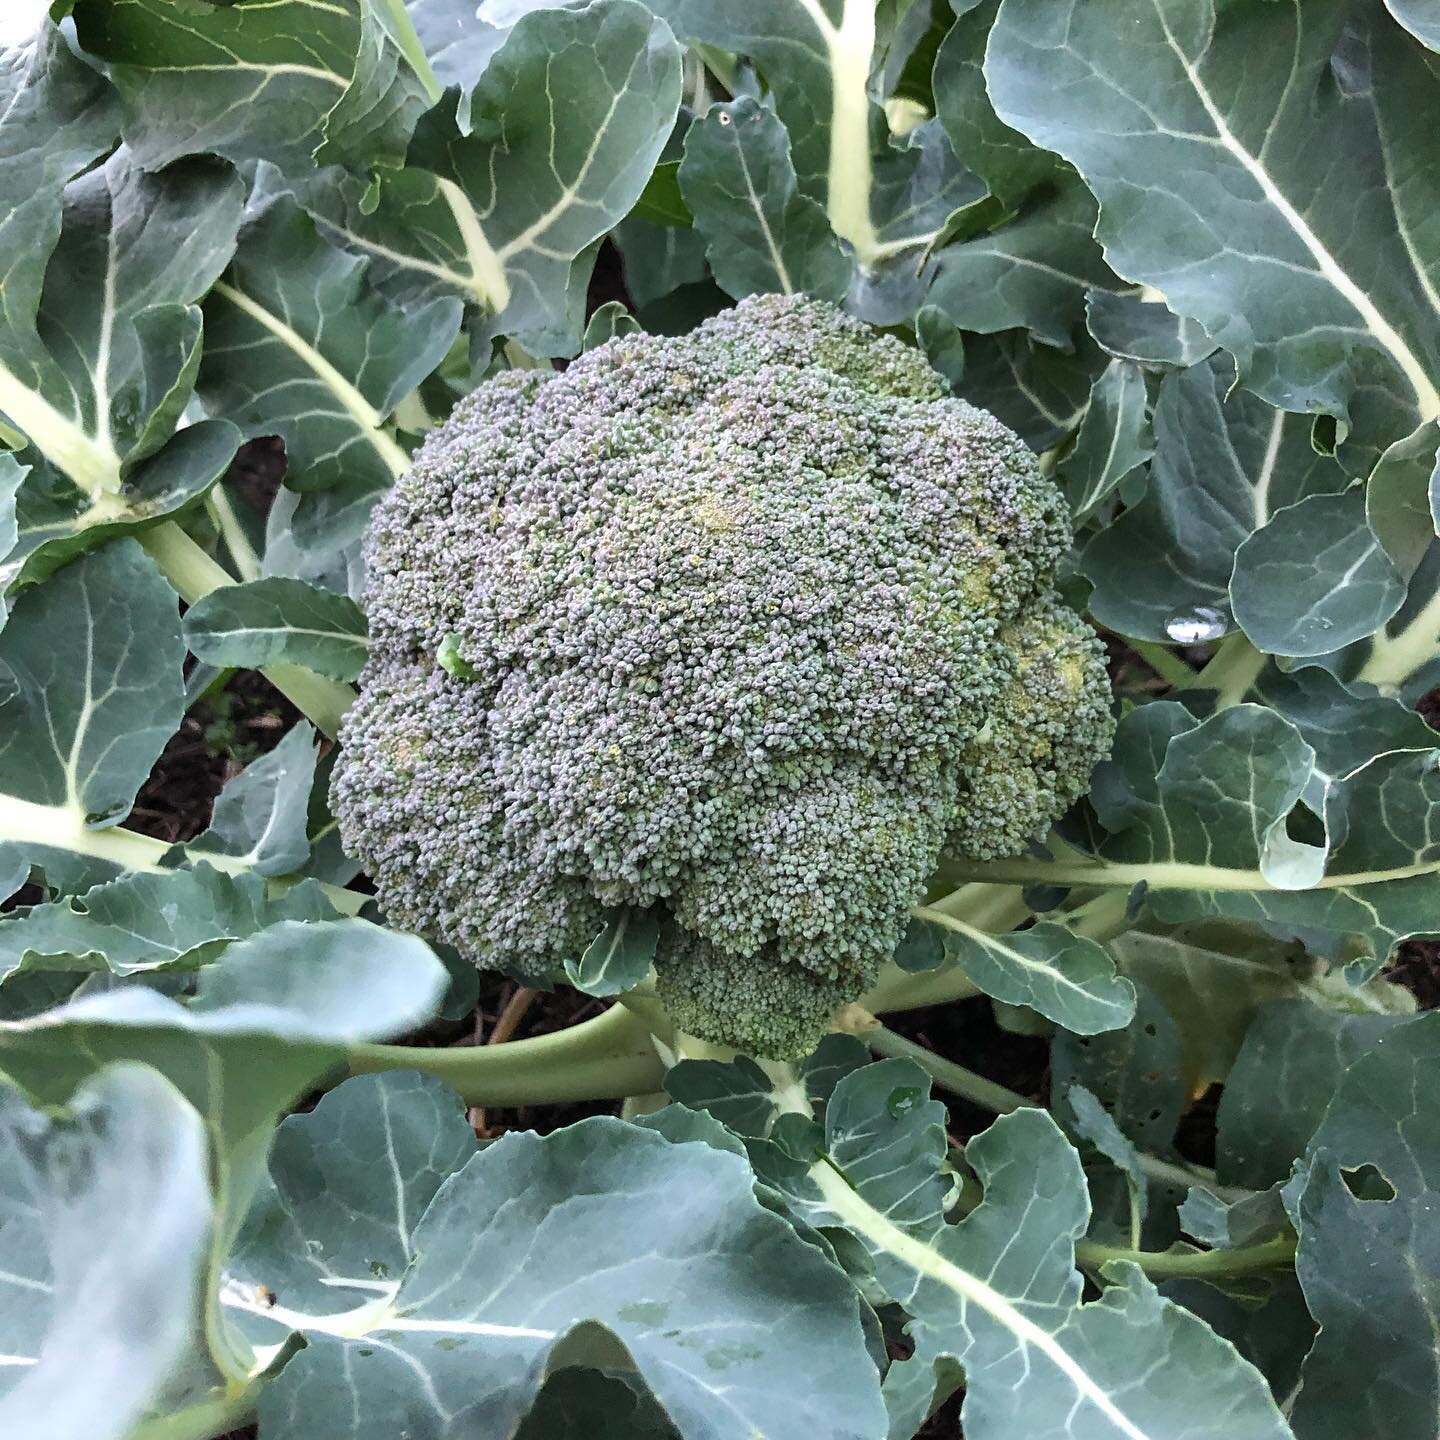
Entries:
{"x":278,"y":619}
{"x":405,"y":1284}
{"x":299,"y":344}
{"x":250,"y":81}
{"x":178,"y":920}
{"x":1282,"y":201}
{"x":761,"y":233}
{"x":997,"y":1292}
{"x":94,"y":690}
{"x":104,"y":1225}
{"x":261,"y":818}
{"x":1364,"y":1208}
{"x":502,"y":196}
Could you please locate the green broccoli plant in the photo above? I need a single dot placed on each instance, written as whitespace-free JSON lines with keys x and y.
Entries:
{"x":850,"y":844}
{"x":752,"y":625}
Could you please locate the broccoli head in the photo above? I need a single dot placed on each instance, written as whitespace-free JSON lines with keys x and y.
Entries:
{"x":752,"y":624}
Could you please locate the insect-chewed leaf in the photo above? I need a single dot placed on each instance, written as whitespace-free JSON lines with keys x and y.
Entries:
{"x":998,"y":1293}
{"x":654,"y":1250}
{"x":1294,"y":1056}
{"x":1364,"y":1206}
{"x":104,"y":1222}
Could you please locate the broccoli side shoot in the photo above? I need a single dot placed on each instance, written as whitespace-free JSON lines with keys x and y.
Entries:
{"x":754,"y":624}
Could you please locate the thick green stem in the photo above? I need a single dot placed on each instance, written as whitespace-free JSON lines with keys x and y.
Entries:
{"x":1395,"y":658}
{"x":898,"y":989}
{"x":607,"y":1058}
{"x":193,"y":575}
{"x":237,"y":542}
{"x":401,"y":30}
{"x":1277,"y":1254}
{"x":1232,"y":670}
{"x":1170,"y":668}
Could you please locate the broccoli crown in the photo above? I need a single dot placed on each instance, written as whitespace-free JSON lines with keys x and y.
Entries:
{"x":752,"y":623}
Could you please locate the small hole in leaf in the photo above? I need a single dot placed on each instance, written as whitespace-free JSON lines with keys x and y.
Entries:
{"x":1154,"y":1114}
{"x":1365,"y":1182}
{"x":1150,"y":1030}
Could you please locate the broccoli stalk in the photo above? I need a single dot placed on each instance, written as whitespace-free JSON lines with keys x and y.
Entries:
{"x":754,"y":625}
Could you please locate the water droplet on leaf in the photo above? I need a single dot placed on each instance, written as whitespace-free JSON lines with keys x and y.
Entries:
{"x":904,"y":1100}
{"x":1197,"y":625}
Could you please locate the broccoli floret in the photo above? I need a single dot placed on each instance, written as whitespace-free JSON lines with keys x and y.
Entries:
{"x":751,"y":624}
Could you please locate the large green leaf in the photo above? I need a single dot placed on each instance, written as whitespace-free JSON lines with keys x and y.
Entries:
{"x":179,"y":920}
{"x":1294,"y":1056}
{"x":93,"y":690}
{"x":96,"y":380}
{"x":499,"y":200}
{"x":299,"y":345}
{"x":997,"y":1292}
{"x":1276,"y":191}
{"x":1365,"y":1209}
{"x":431,"y":1312}
{"x":253,"y":80}
{"x":56,"y":117}
{"x":104,"y":1225}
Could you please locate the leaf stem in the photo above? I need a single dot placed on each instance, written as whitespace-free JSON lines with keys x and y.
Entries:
{"x":1231,"y":671}
{"x":193,"y":574}
{"x":401,"y":30}
{"x":967,"y":1085}
{"x":1170,"y":668}
{"x":237,"y":542}
{"x":1276,"y":1254}
{"x":607,"y":1058}
{"x":1395,"y":658}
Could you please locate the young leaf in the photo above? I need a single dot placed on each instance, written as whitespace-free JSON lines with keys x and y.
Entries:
{"x":619,"y":957}
{"x":694,"y":1292}
{"x":278,"y":619}
{"x":1114,"y":438}
{"x":761,"y":233}
{"x":610,"y":321}
{"x":261,"y":818}
{"x":1067,"y":978}
{"x":104,"y":1224}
